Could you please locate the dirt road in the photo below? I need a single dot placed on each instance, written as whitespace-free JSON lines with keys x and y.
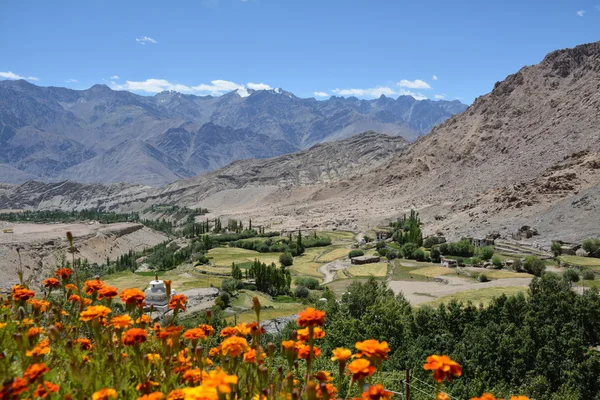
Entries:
{"x":329,"y":269}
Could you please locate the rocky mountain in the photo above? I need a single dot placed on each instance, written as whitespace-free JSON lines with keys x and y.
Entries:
{"x":52,"y":133}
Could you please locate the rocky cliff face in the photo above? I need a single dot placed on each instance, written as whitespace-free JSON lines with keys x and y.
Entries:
{"x":101,"y":135}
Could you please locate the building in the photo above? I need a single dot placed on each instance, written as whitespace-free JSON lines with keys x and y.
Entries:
{"x":381,"y":235}
{"x":481,"y":241}
{"x":157,"y":296}
{"x":448,"y":263}
{"x":364,"y":260}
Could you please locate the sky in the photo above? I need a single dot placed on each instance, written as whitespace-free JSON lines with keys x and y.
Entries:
{"x":312,"y":48}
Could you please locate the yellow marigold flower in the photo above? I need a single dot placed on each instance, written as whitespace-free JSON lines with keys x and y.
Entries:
{"x":94,"y":312}
{"x":153,"y":357}
{"x":177,"y":394}
{"x":2,"y":325}
{"x":519,"y":398}
{"x":39,"y":305}
{"x":41,"y":349}
{"x":121,"y":321}
{"x":443,"y":367}
{"x":134,"y":336}
{"x":242,"y":329}
{"x":26,"y":322}
{"x":51,"y":283}
{"x":132,"y":296}
{"x":35,"y":331}
{"x":219,"y":379}
{"x":372,"y":348}
{"x":288,"y":344}
{"x":194,"y":334}
{"x":341,"y":354}
{"x":377,"y":392}
{"x":234,"y":346}
{"x":34,"y":371}
{"x":442,"y":396}
{"x":303,"y":334}
{"x":199,"y":393}
{"x":361,"y":368}
{"x":143,"y":319}
{"x":105,"y":394}
{"x":92,"y":286}
{"x":485,"y":396}
{"x":152,"y":396}
{"x":311,"y":317}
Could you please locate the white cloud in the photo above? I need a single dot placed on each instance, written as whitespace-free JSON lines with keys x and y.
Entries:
{"x":435,"y":78}
{"x":580,"y":13}
{"x":145,"y":39}
{"x":72,"y":81}
{"x":217,"y":87}
{"x":370,"y":92}
{"x":114,"y":77}
{"x":416,"y":84}
{"x":321,"y":94}
{"x":439,"y":96}
{"x":258,"y":86}
{"x":12,"y":75}
{"x":417,"y":96}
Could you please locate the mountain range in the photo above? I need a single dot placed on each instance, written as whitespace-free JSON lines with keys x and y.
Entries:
{"x":105,"y":136}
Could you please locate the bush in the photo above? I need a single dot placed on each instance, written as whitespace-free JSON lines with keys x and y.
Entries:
{"x":392,"y":254}
{"x":223,"y":300}
{"x":231,"y":285}
{"x":460,"y":261}
{"x":443,"y":248}
{"x":263,"y":248}
{"x":592,"y":246}
{"x":286,"y":259}
{"x":408,"y":250}
{"x":571,"y":275}
{"x":418,"y":255}
{"x":476,"y":261}
{"x":382,"y":252}
{"x":462,"y":249}
{"x":483,"y":278}
{"x":435,"y":255}
{"x":497,"y":262}
{"x":302,"y":292}
{"x":517,"y":266}
{"x":534,"y":266}
{"x":556,"y":249}
{"x":380,"y":245}
{"x":367,"y":238}
{"x":588,"y":275}
{"x":308,"y":282}
{"x":250,"y":286}
{"x":485,"y":253}
{"x":356,"y":253}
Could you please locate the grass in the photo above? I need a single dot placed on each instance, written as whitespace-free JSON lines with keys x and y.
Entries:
{"x":280,"y":307}
{"x":339,"y":236}
{"x":581,"y":261}
{"x":403,"y":273}
{"x":376,"y":269}
{"x":224,"y":256}
{"x":479,"y":296}
{"x":214,"y":270}
{"x":430,"y":272}
{"x":305,"y":264}
{"x":591,"y":284}
{"x":181,"y":281}
{"x":333,"y":254}
{"x":269,"y":313}
{"x":340,"y":286}
{"x":499,"y":274}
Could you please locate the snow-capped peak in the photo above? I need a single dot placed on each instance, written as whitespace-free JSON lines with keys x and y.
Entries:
{"x":242,"y":92}
{"x":277,"y":90}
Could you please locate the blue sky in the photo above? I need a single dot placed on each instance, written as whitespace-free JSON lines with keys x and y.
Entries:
{"x":313,"y":48}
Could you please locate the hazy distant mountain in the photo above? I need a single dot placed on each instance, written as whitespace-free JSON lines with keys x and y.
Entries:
{"x":55,"y":133}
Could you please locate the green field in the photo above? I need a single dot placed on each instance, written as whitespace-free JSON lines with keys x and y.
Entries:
{"x":270,"y":309}
{"x":591,"y":284}
{"x":432,"y":271}
{"x":376,"y":269}
{"x":592,"y":262}
{"x":181,"y":280}
{"x":500,"y":274}
{"x":478,"y":296}
{"x":333,"y":254}
{"x":340,"y":286}
{"x":224,"y":256}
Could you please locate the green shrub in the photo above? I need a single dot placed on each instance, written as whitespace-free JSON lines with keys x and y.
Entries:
{"x":392,"y":254}
{"x":286,"y":259}
{"x":571,"y":275}
{"x":483,"y":278}
{"x":418,"y":255}
{"x":382,"y":252}
{"x":435,"y":255}
{"x":592,"y":246}
{"x":588,"y":275}
{"x":497,"y":262}
{"x":408,"y":250}
{"x":460,"y":261}
{"x":356,"y":253}
{"x":231,"y":285}
{"x":367,"y":238}
{"x":556,"y":249}
{"x":476,"y":261}
{"x":534,"y":266}
{"x":308,"y":282}
{"x":517,"y":266}
{"x":485,"y":253}
{"x":302,"y":292}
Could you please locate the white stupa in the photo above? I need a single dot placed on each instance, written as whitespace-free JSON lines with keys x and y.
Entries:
{"x":156,"y":294}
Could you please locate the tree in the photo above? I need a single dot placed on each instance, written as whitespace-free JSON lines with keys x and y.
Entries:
{"x":556,"y":249}
{"x":435,"y":255}
{"x":308,"y":282}
{"x":356,"y":253}
{"x":236,"y":272}
{"x":534,"y":266}
{"x":418,"y":254}
{"x":588,"y":275}
{"x":485,"y":253}
{"x":408,"y":249}
{"x":476,"y":261}
{"x":286,"y":259}
{"x":571,"y":275}
{"x":302,"y":292}
{"x":497,"y":262}
{"x":299,"y":246}
{"x":592,"y":246}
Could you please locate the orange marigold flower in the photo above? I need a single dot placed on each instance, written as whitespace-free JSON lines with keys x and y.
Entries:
{"x":34,"y":371}
{"x":243,"y":329}
{"x":21,"y":293}
{"x":107,"y":292}
{"x":34,"y":331}
{"x":323,"y":376}
{"x":18,"y":386}
{"x":152,"y":396}
{"x":105,"y":394}
{"x":519,"y":398}
{"x":304,"y":350}
{"x":41,"y":349}
{"x":45,"y":389}
{"x":121,"y":321}
{"x":341,"y":354}
{"x":84,"y":343}
{"x":443,"y":367}
{"x":177,"y":394}
{"x":193,"y":375}
{"x":39,"y":305}
{"x":486,"y":396}
{"x":234,"y":346}
{"x":143,"y":319}
{"x":361,"y":368}
{"x":328,"y":388}
{"x":288,"y":344}
{"x":169,"y":333}
{"x":194,"y":334}
{"x":51,"y":283}
{"x":372,"y":348}
{"x":134,"y":336}
{"x":178,"y":301}
{"x":303,"y":334}
{"x":229,"y":331}
{"x":311,"y":317}
{"x":147,"y":386}
{"x":255,"y":328}
{"x":215,"y":351}
{"x":219,"y":379}
{"x":132,"y":296}
{"x":250,"y":356}
{"x":208,"y":330}
{"x":377,"y":392}
{"x":92,"y":286}
{"x":74,"y":298}
{"x":444,"y":396}
{"x":71,"y":287}
{"x":94,"y":312}
{"x":153,"y":357}
{"x":64,"y":273}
